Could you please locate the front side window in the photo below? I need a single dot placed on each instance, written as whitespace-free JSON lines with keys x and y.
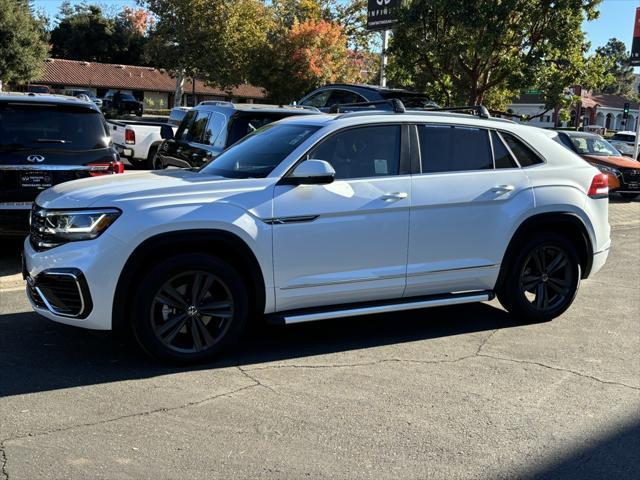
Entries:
{"x":362,"y":152}
{"x":185,"y":126}
{"x":446,"y":148}
{"x":524,"y":154}
{"x":216,"y":123}
{"x":340,"y":97}
{"x":318,"y":100}
{"x":257,"y":154}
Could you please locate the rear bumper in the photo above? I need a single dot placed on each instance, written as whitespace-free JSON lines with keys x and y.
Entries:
{"x":123,"y":151}
{"x":599,"y":259}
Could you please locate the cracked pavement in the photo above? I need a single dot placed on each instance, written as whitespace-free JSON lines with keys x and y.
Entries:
{"x":455,"y":392}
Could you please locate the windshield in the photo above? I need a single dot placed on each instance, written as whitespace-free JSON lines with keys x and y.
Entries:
{"x":46,"y":126}
{"x":623,"y":137}
{"x":257,"y":154}
{"x":593,"y":146}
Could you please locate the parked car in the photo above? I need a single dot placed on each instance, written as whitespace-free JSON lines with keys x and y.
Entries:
{"x":138,"y":141}
{"x":344,"y":93}
{"x":624,"y":142}
{"x":212,"y":126}
{"x":46,"y":140}
{"x":33,"y":88}
{"x":88,"y":93}
{"x":121,"y":104}
{"x":320,"y":216}
{"x":623,"y":172}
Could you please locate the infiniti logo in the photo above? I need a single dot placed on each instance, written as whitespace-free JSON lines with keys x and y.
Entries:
{"x":35,"y":158}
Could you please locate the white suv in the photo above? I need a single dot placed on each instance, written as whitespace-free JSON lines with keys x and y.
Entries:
{"x":318,"y":217}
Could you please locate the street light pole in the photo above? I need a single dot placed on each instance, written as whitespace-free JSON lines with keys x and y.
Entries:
{"x":383,"y":58}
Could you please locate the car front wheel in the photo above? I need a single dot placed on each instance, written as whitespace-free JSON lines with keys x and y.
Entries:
{"x":541,"y":280}
{"x":190,"y":308}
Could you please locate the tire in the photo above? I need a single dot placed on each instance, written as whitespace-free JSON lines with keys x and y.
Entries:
{"x":629,"y":196}
{"x":189,"y":308}
{"x":550,"y":292}
{"x":151,"y":158}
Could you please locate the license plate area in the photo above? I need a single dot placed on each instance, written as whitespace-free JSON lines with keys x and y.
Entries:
{"x":36,"y":179}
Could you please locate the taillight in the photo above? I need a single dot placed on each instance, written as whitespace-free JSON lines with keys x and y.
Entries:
{"x":129,"y":136}
{"x":98,"y":169}
{"x":599,"y":186}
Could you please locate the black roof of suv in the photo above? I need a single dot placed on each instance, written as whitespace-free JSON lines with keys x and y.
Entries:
{"x":332,"y":94}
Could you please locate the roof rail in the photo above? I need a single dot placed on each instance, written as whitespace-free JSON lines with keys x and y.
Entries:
{"x":396,"y":104}
{"x":479,"y":110}
{"x":216,"y":102}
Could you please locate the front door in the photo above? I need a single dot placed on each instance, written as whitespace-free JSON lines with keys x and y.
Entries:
{"x":345,"y":242}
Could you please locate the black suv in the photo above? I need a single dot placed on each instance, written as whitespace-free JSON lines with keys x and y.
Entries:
{"x":213,"y":126}
{"x":122,"y":104}
{"x":46,"y":140}
{"x":330,"y":95}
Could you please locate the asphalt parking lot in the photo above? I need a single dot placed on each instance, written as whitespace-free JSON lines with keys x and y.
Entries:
{"x":452,"y":393}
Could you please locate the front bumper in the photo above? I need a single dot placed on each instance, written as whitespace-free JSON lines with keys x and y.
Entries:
{"x":95,"y":265}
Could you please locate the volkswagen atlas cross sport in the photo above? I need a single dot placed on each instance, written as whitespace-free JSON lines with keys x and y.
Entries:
{"x":317,"y":217}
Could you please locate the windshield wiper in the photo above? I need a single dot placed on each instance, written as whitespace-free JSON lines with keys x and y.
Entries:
{"x":51,"y":140}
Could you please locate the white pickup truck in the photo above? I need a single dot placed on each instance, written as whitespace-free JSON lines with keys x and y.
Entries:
{"x":138,"y":140}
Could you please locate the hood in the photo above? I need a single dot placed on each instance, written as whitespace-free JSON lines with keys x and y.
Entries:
{"x":159,"y":187}
{"x":613,"y":161}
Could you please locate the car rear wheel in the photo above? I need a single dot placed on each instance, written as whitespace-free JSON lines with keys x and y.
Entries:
{"x":190,"y":308}
{"x":541,"y":280}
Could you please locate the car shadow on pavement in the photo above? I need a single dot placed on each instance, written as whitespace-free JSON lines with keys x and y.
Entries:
{"x":38,"y":355}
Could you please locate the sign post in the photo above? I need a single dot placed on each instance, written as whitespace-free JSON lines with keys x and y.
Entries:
{"x":381,"y":15}
{"x":635,"y":62}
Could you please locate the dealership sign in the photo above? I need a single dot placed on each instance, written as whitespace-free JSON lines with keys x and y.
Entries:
{"x":382,"y":14}
{"x":635,"y":46}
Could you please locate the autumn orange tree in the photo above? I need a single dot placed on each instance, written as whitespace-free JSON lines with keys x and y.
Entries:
{"x":309,"y":54}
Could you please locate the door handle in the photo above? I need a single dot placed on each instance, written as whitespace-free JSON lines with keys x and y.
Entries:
{"x":387,"y":197}
{"x":503,"y":189}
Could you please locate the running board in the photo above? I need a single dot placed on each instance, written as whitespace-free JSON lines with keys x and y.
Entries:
{"x":369,"y":308}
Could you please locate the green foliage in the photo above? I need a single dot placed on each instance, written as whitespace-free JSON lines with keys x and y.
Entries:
{"x":487,"y":51}
{"x":615,"y":52}
{"x":84,"y":32}
{"x":217,"y":41}
{"x":23,"y":45}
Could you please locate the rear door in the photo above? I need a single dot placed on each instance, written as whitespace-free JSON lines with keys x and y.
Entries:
{"x":467,"y":195}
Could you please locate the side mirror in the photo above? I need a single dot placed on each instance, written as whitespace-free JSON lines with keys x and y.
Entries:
{"x":311,"y":172}
{"x":166,"y":132}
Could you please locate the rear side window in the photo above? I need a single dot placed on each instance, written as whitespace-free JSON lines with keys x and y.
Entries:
{"x":51,"y":127}
{"x":523,"y":154}
{"x":317,"y":100}
{"x":501,"y":155}
{"x":447,"y":148}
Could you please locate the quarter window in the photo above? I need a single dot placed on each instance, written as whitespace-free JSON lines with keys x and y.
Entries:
{"x":447,"y":148}
{"x":502,"y":157}
{"x":362,"y":152}
{"x":523,"y":154}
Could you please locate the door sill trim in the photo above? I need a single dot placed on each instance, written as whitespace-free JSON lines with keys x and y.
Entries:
{"x":369,"y":308}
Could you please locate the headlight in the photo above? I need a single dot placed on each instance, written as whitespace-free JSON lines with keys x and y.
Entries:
{"x":605,"y":169}
{"x":73,"y":225}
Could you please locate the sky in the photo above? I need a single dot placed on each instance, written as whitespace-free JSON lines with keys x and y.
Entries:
{"x":616,"y":18}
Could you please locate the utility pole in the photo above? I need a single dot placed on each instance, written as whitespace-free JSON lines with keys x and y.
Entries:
{"x":383,"y":58}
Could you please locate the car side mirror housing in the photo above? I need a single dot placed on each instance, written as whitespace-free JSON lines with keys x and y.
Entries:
{"x":311,"y":172}
{"x":166,"y":132}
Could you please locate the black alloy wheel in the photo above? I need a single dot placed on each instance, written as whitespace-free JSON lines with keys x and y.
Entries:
{"x":540,"y":278}
{"x":189,"y":308}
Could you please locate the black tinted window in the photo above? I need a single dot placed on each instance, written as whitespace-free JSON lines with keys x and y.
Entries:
{"x":216,"y":123}
{"x":51,"y":127}
{"x":198,"y":128}
{"x":260,"y":152}
{"x":523,"y":153}
{"x":362,"y":152}
{"x":501,"y":155}
{"x":243,"y":125}
{"x":185,"y":125}
{"x":452,"y":149}
{"x":318,"y":100}
{"x":340,"y":97}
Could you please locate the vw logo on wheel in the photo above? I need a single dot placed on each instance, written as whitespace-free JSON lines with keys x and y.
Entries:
{"x":35,"y":158}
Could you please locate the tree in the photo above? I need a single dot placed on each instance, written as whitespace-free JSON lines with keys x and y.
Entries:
{"x":470,"y":52}
{"x":23,"y":45}
{"x":620,"y":70}
{"x":215,"y":41}
{"x":84,"y":32}
{"x":309,"y":55}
